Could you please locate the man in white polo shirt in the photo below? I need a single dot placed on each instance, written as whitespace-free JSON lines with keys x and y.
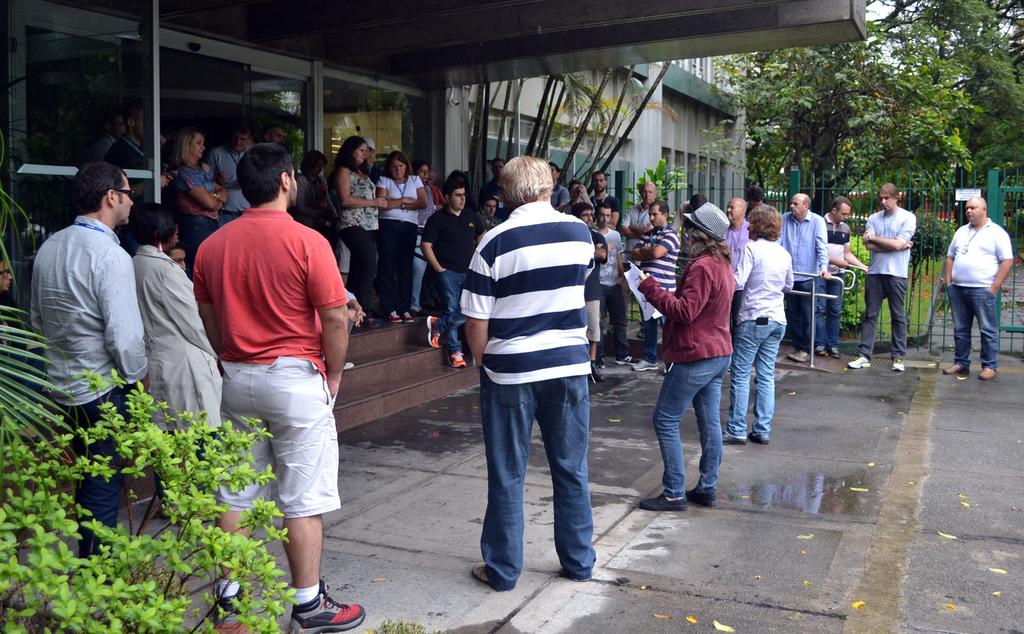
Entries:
{"x":977,"y":262}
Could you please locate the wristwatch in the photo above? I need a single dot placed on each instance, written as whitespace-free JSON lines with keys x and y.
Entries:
{"x":403,"y":206}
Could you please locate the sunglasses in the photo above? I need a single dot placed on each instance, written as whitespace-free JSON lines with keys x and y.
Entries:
{"x":126,"y":192}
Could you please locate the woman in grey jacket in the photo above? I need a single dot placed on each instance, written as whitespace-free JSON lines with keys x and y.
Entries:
{"x":182,"y":365}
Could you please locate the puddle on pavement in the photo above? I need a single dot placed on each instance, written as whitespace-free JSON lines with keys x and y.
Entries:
{"x":808,"y":493}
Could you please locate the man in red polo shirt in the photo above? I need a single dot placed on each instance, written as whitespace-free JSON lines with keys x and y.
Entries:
{"x":274,"y":307}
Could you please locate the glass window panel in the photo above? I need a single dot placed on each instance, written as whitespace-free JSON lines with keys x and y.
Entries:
{"x":389,"y":117}
{"x":280,"y":101}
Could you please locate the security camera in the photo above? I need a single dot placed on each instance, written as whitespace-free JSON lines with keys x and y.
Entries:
{"x":194,"y":46}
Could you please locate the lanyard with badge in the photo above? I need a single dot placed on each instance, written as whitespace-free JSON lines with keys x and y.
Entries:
{"x":91,"y":227}
{"x":963,"y":249}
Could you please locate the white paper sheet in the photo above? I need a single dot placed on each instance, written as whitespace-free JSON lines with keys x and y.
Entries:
{"x":633,"y":279}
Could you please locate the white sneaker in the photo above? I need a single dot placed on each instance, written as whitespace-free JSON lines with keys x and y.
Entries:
{"x":644,"y":365}
{"x":860,"y":363}
{"x":897,"y":365}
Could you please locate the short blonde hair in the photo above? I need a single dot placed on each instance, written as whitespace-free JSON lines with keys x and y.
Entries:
{"x":525,"y":179}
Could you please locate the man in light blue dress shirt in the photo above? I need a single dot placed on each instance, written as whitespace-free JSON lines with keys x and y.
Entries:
{"x":84,"y":302}
{"x":804,"y":236}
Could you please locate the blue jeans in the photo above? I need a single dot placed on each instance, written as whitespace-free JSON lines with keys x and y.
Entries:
{"x":562,"y":410}
{"x":970,"y":303}
{"x":700,"y":383}
{"x":798,"y":314}
{"x":396,"y":242}
{"x":452,"y":319}
{"x":828,"y":314}
{"x":419,"y":268}
{"x":192,"y":231}
{"x":98,"y":495}
{"x":754,"y":345}
{"x":650,"y":327}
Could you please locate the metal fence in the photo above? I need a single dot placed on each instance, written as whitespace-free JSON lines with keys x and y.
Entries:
{"x":937,"y":197}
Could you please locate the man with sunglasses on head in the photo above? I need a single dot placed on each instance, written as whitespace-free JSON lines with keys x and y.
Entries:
{"x":84,"y":303}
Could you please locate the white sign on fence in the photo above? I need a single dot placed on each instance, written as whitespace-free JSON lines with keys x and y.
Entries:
{"x":967,"y":194}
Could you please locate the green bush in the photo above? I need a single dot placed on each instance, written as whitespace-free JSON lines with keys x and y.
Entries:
{"x":142,"y":577}
{"x":851,"y":316}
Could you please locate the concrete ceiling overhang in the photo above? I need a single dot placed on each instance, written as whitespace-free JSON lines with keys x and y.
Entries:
{"x":436,"y":43}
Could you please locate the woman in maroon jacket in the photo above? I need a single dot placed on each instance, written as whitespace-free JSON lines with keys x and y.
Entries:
{"x":697,"y":348}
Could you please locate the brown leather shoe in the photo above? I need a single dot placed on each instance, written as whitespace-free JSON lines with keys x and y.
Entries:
{"x":986,"y":374}
{"x":956,"y":369}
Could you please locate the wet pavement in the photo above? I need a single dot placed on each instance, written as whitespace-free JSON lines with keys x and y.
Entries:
{"x":864,"y":471}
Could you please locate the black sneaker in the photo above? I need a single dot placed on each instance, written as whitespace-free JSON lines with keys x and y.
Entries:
{"x":595,"y":373}
{"x":225,"y":616}
{"x":324,"y":614}
{"x":662,"y":503}
{"x":758,"y":438}
{"x":626,"y":360}
{"x":702,"y":498}
{"x":729,"y":439}
{"x":599,"y":362}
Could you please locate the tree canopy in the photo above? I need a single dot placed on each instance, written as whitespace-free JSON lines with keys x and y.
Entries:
{"x":936,"y":83}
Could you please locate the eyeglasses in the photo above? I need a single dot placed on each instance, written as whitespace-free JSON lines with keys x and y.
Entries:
{"x":6,"y":274}
{"x":126,"y":192}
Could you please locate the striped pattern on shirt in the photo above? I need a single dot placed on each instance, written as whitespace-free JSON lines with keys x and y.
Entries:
{"x":662,"y":269}
{"x":526,"y":279}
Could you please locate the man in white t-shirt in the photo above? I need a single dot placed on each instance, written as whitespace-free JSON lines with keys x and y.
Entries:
{"x":889,"y":237}
{"x":977,"y":262}
{"x":612,"y":298}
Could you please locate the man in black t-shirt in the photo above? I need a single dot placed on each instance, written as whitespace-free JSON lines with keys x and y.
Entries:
{"x":599,"y":189}
{"x":448,"y":241}
{"x":592,"y":287}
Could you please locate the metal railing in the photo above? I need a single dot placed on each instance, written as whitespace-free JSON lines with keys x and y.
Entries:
{"x":849,"y":276}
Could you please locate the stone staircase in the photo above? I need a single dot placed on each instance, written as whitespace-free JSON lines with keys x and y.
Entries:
{"x":395,"y":369}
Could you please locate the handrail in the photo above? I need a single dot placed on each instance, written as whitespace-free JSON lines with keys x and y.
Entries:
{"x":849,"y":282}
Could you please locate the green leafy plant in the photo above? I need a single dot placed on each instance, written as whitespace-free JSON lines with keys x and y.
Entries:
{"x":666,"y":180}
{"x":144,"y":575}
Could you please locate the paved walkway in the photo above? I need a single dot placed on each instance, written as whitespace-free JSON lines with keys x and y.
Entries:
{"x":847,"y":504}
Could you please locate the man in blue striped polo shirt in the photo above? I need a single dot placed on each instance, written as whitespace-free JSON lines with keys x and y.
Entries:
{"x":657,"y":256}
{"x":526,"y":324}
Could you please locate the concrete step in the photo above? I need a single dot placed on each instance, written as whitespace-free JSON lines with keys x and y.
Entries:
{"x":386,"y":396}
{"x":394,"y":369}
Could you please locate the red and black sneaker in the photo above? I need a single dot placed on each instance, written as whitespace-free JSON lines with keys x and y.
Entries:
{"x":324,"y":614}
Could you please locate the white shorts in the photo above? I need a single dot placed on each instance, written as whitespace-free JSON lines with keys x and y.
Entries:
{"x":594,"y":320}
{"x":291,"y":398}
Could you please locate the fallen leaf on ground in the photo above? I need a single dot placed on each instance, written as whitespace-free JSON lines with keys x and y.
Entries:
{"x":871,"y":464}
{"x":997,"y":593}
{"x":961,"y":377}
{"x":911,"y":482}
{"x":946,"y":535}
{"x":962,"y":496}
{"x":792,"y":393}
{"x":614,"y":420}
{"x":662,"y":617}
{"x":965,"y":505}
{"x":757,"y":577}
{"x":807,"y":583}
{"x":378,"y":580}
{"x":721,"y":627}
{"x":691,"y":619}
{"x":951,"y":607}
{"x":998,"y":571}
{"x":744,"y":497}
{"x":856,"y":605}
{"x":803,"y":552}
{"x":859,"y":489}
{"x":643,"y":587}
{"x":807,"y":536}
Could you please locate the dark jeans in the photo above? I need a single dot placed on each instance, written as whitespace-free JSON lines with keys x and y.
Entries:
{"x":799,"y":312}
{"x":876,"y":288}
{"x":562,"y":410}
{"x":192,"y":231}
{"x":970,"y":303}
{"x":828,"y":314}
{"x":650,"y":327}
{"x":613,"y":300}
{"x":734,"y":310}
{"x":98,"y":495}
{"x":362,"y":267}
{"x":396,"y":243}
{"x":452,"y":319}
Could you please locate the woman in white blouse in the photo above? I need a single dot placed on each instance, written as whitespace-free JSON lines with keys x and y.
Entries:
{"x":765,"y":273}
{"x":396,"y":238}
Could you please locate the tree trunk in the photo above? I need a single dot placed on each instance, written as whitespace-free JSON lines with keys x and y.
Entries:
{"x":474,"y":139}
{"x":501,"y":122}
{"x":552,"y":119}
{"x":599,"y":150}
{"x":636,"y":117}
{"x":515,"y":124}
{"x":538,"y":121}
{"x":582,"y":130}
